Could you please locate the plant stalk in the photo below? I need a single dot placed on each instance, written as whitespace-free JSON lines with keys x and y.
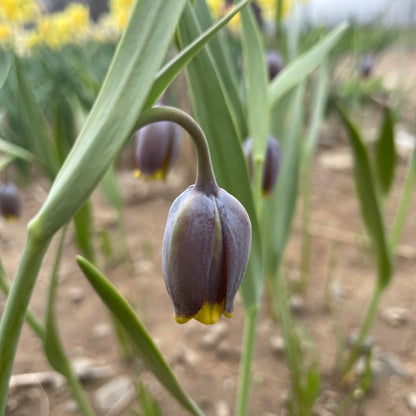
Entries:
{"x":16,"y":307}
{"x":249,"y":338}
{"x":366,"y":325}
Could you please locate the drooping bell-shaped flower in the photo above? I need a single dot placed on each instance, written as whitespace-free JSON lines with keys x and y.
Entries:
{"x":274,"y":64}
{"x":366,"y":66}
{"x":9,"y":201}
{"x":271,"y":165}
{"x":156,"y":149}
{"x":206,"y":247}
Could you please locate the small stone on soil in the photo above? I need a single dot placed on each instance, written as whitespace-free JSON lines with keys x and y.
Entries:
{"x":102,"y":329}
{"x":119,"y":390}
{"x":277,"y":344}
{"x":411,"y":401}
{"x":75,"y":294}
{"x":213,"y":335}
{"x":296,"y":304}
{"x":222,"y":408}
{"x":395,"y":316}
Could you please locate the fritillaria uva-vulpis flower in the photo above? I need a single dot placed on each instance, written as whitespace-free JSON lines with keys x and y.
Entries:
{"x":271,"y":164}
{"x":156,"y":149}
{"x":9,"y":201}
{"x":206,"y":246}
{"x":274,"y":64}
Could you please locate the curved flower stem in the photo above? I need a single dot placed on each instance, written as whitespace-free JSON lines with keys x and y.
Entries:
{"x":205,"y":178}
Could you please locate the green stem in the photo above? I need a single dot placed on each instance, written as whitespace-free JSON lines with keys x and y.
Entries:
{"x":205,"y":178}
{"x":250,"y":324}
{"x":54,"y":349}
{"x":16,"y":307}
{"x":366,"y":325}
{"x":404,"y":203}
{"x":31,"y":318}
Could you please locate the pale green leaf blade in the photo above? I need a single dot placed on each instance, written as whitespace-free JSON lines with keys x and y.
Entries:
{"x":256,"y":84}
{"x":279,"y":212}
{"x":15,"y":151}
{"x":37,"y":127}
{"x":218,"y":121}
{"x":369,"y":203}
{"x":168,"y":73}
{"x":302,"y":66}
{"x":140,"y":336}
{"x":118,"y":106}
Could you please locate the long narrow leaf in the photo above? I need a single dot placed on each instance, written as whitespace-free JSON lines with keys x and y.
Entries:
{"x":369,"y":203}
{"x":302,"y":66}
{"x":256,"y":87}
{"x":36,"y":125}
{"x":386,"y":153}
{"x":15,"y":151}
{"x":115,"y":112}
{"x":218,"y":121}
{"x":168,"y":73}
{"x":280,"y":210}
{"x":138,"y":333}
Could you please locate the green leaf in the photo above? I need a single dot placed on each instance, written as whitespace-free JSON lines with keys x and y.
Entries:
{"x":168,"y":73}
{"x":138,"y":333}
{"x":218,"y":120}
{"x":113,"y":117}
{"x":64,"y":128}
{"x":84,"y":231}
{"x":302,"y":66}
{"x":386,"y":153}
{"x":256,"y":87}
{"x":369,"y":203}
{"x":111,"y":189}
{"x":280,"y":210}
{"x":5,"y":160}
{"x":15,"y":151}
{"x":37,"y":127}
{"x":4,"y":68}
{"x":52,"y":343}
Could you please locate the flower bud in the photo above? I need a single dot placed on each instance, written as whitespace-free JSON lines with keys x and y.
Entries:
{"x":9,"y":201}
{"x":366,"y":66}
{"x":274,"y":63}
{"x":271,"y":164}
{"x":156,"y":149}
{"x":205,"y":252}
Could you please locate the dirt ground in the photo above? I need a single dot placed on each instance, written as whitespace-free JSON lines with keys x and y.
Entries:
{"x":207,"y":359}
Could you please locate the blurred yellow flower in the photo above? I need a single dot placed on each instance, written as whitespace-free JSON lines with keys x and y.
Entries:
{"x":120,"y":10}
{"x":18,"y":10}
{"x":5,"y":33}
{"x":216,"y":7}
{"x":58,"y":29}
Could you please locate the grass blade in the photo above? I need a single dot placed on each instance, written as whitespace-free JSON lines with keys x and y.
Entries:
{"x":84,"y":231}
{"x":52,"y":344}
{"x":257,"y":93}
{"x":369,"y":203}
{"x":138,"y":333}
{"x":36,"y":124}
{"x":15,"y":151}
{"x":301,"y":67}
{"x":280,"y":210}
{"x":386,"y":153}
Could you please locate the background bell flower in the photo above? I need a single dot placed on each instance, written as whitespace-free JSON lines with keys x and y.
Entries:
{"x":9,"y":201}
{"x":271,"y":164}
{"x":274,"y":64}
{"x":156,"y":149}
{"x":205,"y":253}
